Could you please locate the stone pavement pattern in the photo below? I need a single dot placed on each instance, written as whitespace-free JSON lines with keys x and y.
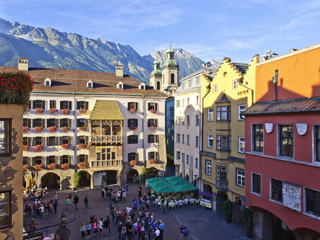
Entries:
{"x":203,"y":224}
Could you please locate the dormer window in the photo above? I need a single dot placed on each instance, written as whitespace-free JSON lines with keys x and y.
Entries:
{"x":142,"y":86}
{"x":47,"y":82}
{"x":120,"y":85}
{"x":90,"y":84}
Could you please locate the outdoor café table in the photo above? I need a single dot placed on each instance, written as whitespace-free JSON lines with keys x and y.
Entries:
{"x":192,"y":201}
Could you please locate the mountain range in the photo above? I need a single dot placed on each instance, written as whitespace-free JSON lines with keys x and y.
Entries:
{"x":49,"y":48}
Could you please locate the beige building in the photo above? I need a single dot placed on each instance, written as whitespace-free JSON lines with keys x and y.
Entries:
{"x":94,"y":128}
{"x":11,"y":175}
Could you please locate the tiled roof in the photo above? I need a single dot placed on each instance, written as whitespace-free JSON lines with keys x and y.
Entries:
{"x":285,"y":106}
{"x":69,"y":81}
{"x":106,"y":110}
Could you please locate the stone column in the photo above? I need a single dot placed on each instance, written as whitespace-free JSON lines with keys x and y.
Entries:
{"x":262,"y":224}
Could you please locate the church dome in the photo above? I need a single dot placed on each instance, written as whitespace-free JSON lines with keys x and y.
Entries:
{"x":156,"y":73}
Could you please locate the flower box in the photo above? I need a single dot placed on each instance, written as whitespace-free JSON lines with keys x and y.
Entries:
{"x":52,"y":110}
{"x":65,"y":129}
{"x":65,"y":166}
{"x":38,"y":167}
{"x":82,"y":111}
{"x":132,"y":110}
{"x":38,"y":129}
{"x":25,"y":167}
{"x":38,"y":148}
{"x":65,"y":111}
{"x":133,"y":162}
{"x":82,"y":146}
{"x":82,"y":128}
{"x":153,"y":160}
{"x":25,"y":129}
{"x":65,"y":146}
{"x":38,"y":110}
{"x":82,"y":165}
{"x":153,"y":111}
{"x":26,"y":148}
{"x":152,"y":128}
{"x":52,"y":166}
{"x":133,"y":127}
{"x":52,"y":129}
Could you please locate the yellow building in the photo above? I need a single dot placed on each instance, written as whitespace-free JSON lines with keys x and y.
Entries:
{"x":225,"y":96}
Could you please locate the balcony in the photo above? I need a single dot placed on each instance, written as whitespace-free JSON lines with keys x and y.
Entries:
{"x":222,"y":185}
{"x":107,"y":139}
{"x":107,"y":163}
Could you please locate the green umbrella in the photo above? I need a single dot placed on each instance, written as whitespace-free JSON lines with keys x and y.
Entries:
{"x":151,"y":180}
{"x":185,"y":188}
{"x":164,"y":189}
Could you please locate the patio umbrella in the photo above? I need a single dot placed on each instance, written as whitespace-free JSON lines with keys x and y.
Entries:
{"x":185,"y":188}
{"x":164,"y":189}
{"x":152,"y":180}
{"x":174,"y":179}
{"x":158,"y":184}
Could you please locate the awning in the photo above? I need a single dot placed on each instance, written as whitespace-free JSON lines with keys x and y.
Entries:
{"x":209,"y":195}
{"x":106,"y":110}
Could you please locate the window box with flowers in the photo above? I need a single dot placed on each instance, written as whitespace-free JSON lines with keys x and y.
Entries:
{"x":82,"y":111}
{"x":65,"y":129}
{"x":26,"y":148}
{"x":133,"y":162}
{"x":133,"y":127}
{"x":153,"y":161}
{"x":152,"y":128}
{"x":38,"y":129}
{"x":51,"y":166}
{"x":38,"y":148}
{"x":82,"y":165}
{"x":38,"y":167}
{"x":25,"y":129}
{"x":153,"y":111}
{"x":52,"y":129}
{"x":65,"y":166}
{"x":25,"y":168}
{"x":82,"y":129}
{"x":82,"y":146}
{"x":132,"y":110}
{"x":38,"y":110}
{"x":65,"y":146}
{"x":65,"y":111}
{"x":52,"y":110}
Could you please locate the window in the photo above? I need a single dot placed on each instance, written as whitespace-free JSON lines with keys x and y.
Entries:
{"x":240,"y":175}
{"x":188,"y":101}
{"x":152,"y":122}
{"x":234,"y":84}
{"x":197,"y":141}
{"x":152,"y":106}
{"x":25,"y":141}
{"x":215,"y":88}
{"x":257,"y":141}
{"x":52,"y":104}
{"x":132,"y":106}
{"x":188,"y":140}
{"x":188,"y":120}
{"x":313,"y":202}
{"x":171,"y":111}
{"x":286,"y":140}
{"x":224,"y":113}
{"x":51,"y":122}
{"x":133,"y":156}
{"x":82,"y":105}
{"x":5,"y":209}
{"x":198,"y":100}
{"x":132,"y":123}
{"x":65,"y":122}
{"x":37,"y":141}
{"x":153,"y":155}
{"x":198,"y":80}
{"x":208,"y":167}
{"x":178,"y":120}
{"x":24,"y":162}
{"x":221,"y":173}
{"x":65,"y":140}
{"x":189,"y":83}
{"x":38,"y":122}
{"x":82,"y":158}
{"x":5,"y":137}
{"x":182,"y":102}
{"x":197,"y":163}
{"x":178,"y":155}
{"x":182,"y":138}
{"x":27,"y":122}
{"x":241,"y":145}
{"x":188,"y":159}
{"x":178,"y":137}
{"x":183,"y":157}
{"x":178,"y":103}
{"x":276,"y":190}
{"x":37,"y":161}
{"x":65,"y":105}
{"x":197,"y":120}
{"x":210,"y":114}
{"x":255,"y":183}
{"x":89,"y":84}
{"x":317,"y":142}
{"x":39,"y":104}
{"x":241,"y":110}
{"x":65,"y":159}
{"x":172,"y":78}
{"x":51,"y":160}
{"x":82,"y":139}
{"x":51,"y":141}
{"x":132,"y":139}
{"x":210,"y":141}
{"x":82,"y":122}
{"x":224,"y":143}
{"x":153,"y":138}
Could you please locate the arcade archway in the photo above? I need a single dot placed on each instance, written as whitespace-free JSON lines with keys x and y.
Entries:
{"x":85,"y":179}
{"x":131,"y":174}
{"x":152,"y":172}
{"x":51,"y":181}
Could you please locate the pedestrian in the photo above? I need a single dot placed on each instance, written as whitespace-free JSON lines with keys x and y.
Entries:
{"x":161,"y":228}
{"x":83,"y":231}
{"x":124,"y":232}
{"x":88,"y":227}
{"x":94,"y":228}
{"x":67,"y":203}
{"x":86,"y":202}
{"x":102,"y":193}
{"x":127,"y":189}
{"x":100,"y":226}
{"x":183,"y":231}
{"x":75,"y":201}
{"x":157,"y":232}
{"x":152,"y":235}
{"x":120,"y":229}
{"x":142,"y":235}
{"x":129,"y":230}
{"x":32,"y":225}
{"x":55,"y":205}
{"x":106,"y":225}
{"x":63,"y":217}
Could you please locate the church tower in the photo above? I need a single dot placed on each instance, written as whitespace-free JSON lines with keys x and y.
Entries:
{"x":170,"y":73}
{"x":156,"y":76}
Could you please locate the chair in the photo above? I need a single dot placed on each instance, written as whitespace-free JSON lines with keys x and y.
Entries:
{"x":198,"y":201}
{"x":181,"y":203}
{"x":192,"y":201}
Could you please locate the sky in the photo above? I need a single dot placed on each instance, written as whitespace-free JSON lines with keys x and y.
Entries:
{"x":208,"y":29}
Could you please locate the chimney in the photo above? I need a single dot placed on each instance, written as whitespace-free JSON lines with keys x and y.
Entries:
{"x":256,"y":58}
{"x":119,"y":71}
{"x":23,"y":64}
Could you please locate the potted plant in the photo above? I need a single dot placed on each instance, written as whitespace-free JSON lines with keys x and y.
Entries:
{"x":25,"y":167}
{"x":52,"y":110}
{"x":65,"y":129}
{"x":52,"y":166}
{"x":65,"y":166}
{"x":38,"y":129}
{"x":26,"y":129}
{"x":52,"y":129}
{"x":26,"y":148}
{"x":132,"y":110}
{"x":153,"y":161}
{"x":38,"y":167}
{"x":82,"y":111}
{"x":247,"y":218}
{"x":82,"y":165}
{"x":133,"y":162}
{"x":76,"y":179}
{"x":227,"y":210}
{"x":38,"y":110}
{"x":82,"y":128}
{"x":82,"y":146}
{"x":65,"y":146}
{"x":65,"y":111}
{"x":38,"y":148}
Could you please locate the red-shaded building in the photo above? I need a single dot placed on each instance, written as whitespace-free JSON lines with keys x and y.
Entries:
{"x":283,"y":152}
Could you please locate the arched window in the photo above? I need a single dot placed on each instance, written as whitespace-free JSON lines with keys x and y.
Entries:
{"x":158,"y":85}
{"x":172,"y":78}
